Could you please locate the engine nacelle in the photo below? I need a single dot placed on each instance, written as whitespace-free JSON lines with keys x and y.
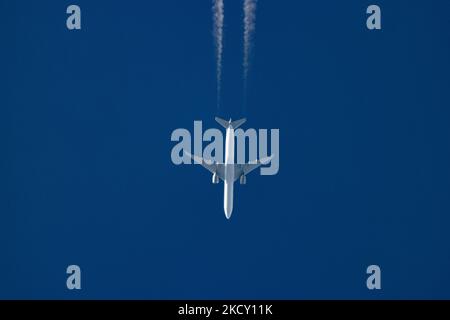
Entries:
{"x":215,"y":178}
{"x":243,"y":179}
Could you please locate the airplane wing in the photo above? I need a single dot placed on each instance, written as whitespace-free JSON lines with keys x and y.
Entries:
{"x":210,"y":165}
{"x":244,"y":169}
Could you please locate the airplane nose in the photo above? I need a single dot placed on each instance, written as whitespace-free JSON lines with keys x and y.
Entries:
{"x":228,"y":213}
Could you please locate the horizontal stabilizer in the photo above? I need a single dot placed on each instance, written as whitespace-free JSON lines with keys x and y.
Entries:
{"x":223,"y":123}
{"x":236,"y":124}
{"x":233,"y":124}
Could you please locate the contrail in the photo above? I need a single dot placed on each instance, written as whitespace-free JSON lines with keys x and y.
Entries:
{"x":218,"y":12}
{"x":249,"y":28}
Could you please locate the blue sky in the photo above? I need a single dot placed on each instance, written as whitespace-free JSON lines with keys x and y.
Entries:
{"x":86,"y":176}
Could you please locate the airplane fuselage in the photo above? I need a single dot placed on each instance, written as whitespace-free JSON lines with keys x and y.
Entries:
{"x":229,"y":173}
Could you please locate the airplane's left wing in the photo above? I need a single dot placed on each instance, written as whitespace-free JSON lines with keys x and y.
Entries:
{"x":209,"y":165}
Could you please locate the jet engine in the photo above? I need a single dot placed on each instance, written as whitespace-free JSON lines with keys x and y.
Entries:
{"x":215,"y":178}
{"x":243,"y":179}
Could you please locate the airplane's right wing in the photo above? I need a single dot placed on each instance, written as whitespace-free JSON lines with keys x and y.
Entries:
{"x":211,"y":166}
{"x":244,"y":169}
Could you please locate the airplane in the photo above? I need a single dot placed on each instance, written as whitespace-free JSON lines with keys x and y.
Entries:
{"x":229,"y":172}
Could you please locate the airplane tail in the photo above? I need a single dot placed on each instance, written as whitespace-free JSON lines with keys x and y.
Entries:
{"x":235,"y":124}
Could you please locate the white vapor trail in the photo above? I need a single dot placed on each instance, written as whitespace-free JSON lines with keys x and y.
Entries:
{"x":249,"y":28}
{"x":219,"y":17}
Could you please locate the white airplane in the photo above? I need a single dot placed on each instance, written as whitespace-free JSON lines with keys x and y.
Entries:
{"x":229,"y":172}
